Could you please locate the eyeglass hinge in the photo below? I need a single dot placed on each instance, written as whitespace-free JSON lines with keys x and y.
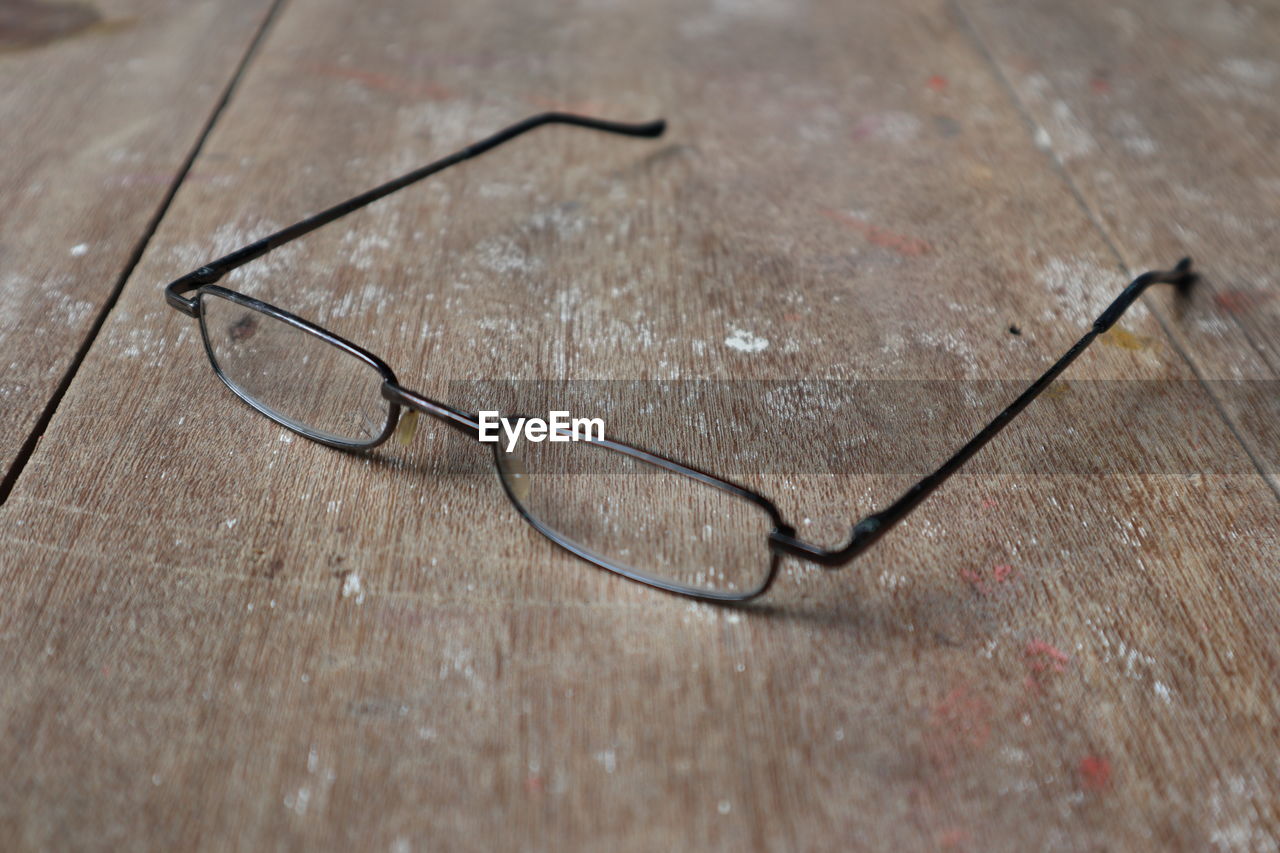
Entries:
{"x":190,"y":281}
{"x":783,"y":540}
{"x":186,"y":306}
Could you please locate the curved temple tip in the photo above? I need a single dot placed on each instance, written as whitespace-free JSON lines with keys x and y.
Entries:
{"x":657,"y":127}
{"x":1183,"y":276}
{"x":646,"y":129}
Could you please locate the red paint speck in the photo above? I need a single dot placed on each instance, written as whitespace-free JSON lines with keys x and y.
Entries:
{"x":865,"y":128}
{"x":1095,"y":772}
{"x":1236,"y":301}
{"x":1043,"y":662}
{"x":937,"y":83}
{"x":416,"y":89}
{"x":959,"y":725}
{"x":1043,"y":657}
{"x":883,"y":237}
{"x":988,"y":582}
{"x":1100,"y":86}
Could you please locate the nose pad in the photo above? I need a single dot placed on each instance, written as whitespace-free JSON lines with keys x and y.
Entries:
{"x":407,"y":427}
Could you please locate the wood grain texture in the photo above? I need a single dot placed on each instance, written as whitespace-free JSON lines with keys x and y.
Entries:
{"x":216,"y":634}
{"x":101,"y":105}
{"x":1171,"y":109}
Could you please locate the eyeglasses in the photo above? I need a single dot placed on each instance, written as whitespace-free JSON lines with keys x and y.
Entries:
{"x":624,"y":509}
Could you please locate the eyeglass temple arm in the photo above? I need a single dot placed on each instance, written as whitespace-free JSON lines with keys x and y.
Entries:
{"x":211,"y":272}
{"x":872,"y":527}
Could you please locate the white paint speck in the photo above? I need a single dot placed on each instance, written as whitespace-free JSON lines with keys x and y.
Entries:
{"x":724,"y":807}
{"x":80,"y":251}
{"x":1081,"y":286}
{"x":1236,"y":809}
{"x":230,"y":522}
{"x":1132,"y":134}
{"x":891,"y":581}
{"x":745,"y":341}
{"x":351,"y":586}
{"x":897,"y":127}
{"x":893,"y":127}
{"x":608,"y":760}
{"x":1142,"y":145}
{"x":1254,"y":72}
{"x":504,"y":256}
{"x":298,"y":802}
{"x":1073,"y":139}
{"x":1162,"y":690}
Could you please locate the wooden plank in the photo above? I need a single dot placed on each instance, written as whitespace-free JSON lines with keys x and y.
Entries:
{"x":101,"y":105}
{"x":1171,"y":107}
{"x":335,"y":650}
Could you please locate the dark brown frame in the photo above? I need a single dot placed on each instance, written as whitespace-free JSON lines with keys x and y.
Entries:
{"x":782,"y":540}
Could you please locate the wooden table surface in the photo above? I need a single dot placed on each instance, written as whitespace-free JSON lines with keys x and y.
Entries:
{"x":215,"y":635}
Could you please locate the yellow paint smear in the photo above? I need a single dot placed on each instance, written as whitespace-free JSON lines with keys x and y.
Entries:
{"x":1057,"y":388}
{"x":1118,"y":337}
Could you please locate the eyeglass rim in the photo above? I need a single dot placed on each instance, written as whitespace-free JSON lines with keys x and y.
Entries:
{"x":384,"y":370}
{"x":702,"y":477}
{"x":399,"y":393}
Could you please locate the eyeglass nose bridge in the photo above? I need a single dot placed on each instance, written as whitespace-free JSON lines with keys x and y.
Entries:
{"x":414,"y":402}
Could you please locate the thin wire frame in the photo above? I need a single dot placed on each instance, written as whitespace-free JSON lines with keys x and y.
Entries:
{"x":782,"y":541}
{"x":384,"y":371}
{"x":617,"y":567}
{"x":469,"y":425}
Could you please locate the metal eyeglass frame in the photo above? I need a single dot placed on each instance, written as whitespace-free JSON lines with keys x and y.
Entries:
{"x":782,"y":540}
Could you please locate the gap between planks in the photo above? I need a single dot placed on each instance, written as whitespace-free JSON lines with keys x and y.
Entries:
{"x":28,"y":447}
{"x":966,"y":23}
